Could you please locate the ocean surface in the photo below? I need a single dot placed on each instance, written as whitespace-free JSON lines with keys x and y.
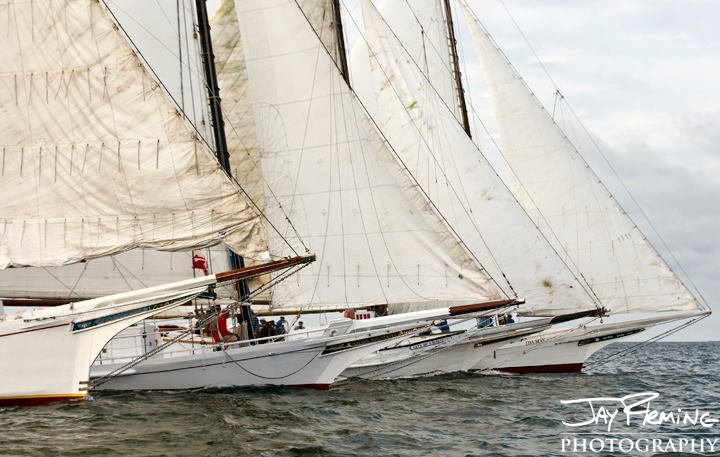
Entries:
{"x":449,"y":415}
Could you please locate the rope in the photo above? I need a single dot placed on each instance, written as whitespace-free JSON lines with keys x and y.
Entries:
{"x":642,"y":344}
{"x":149,"y":68}
{"x":201,"y":323}
{"x":414,"y":179}
{"x":704,"y":303}
{"x":317,"y":354}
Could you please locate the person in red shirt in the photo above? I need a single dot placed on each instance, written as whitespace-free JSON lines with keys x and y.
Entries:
{"x":220,"y":330}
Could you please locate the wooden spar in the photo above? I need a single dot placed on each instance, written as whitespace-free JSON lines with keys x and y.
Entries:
{"x":340,"y":36}
{"x":477,"y":307}
{"x":208,"y":58}
{"x":258,"y":270}
{"x":579,"y":315}
{"x":40,"y":302}
{"x":456,"y":67}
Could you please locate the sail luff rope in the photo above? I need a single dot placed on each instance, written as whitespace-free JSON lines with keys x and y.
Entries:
{"x":703,"y":301}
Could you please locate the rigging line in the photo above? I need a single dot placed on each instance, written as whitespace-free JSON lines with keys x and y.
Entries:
{"x":201,"y":323}
{"x":164,"y":13}
{"x":148,"y":68}
{"x":310,"y":100}
{"x":640,"y":208}
{"x":414,"y":179}
{"x":266,"y":187}
{"x":577,"y":152}
{"x":329,"y":198}
{"x":576,"y":272}
{"x":189,"y":54}
{"x":532,"y":49}
{"x":179,"y":31}
{"x":466,"y":75}
{"x":440,"y":55}
{"x":403,"y":166}
{"x":236,"y":362}
{"x":374,"y":206}
{"x":527,"y":193}
{"x":642,"y":344}
{"x":57,"y":278}
{"x":432,"y":154}
{"x":139,"y":24}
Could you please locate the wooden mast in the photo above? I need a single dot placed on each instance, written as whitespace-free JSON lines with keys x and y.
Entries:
{"x":340,"y":36}
{"x":457,"y":76}
{"x":218,"y":126}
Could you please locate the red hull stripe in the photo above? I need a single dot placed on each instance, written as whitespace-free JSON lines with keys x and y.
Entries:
{"x":562,"y":368}
{"x":35,"y":400}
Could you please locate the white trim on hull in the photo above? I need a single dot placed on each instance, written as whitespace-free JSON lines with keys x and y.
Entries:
{"x":565,"y":350}
{"x":46,"y":354}
{"x":309,"y":362}
{"x":440,"y":353}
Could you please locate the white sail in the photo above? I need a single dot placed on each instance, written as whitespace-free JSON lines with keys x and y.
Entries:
{"x":376,"y":239}
{"x":573,"y":208}
{"x":234,"y":88}
{"x":461,"y":182}
{"x":420,"y":26}
{"x":136,"y":269}
{"x":95,"y":159}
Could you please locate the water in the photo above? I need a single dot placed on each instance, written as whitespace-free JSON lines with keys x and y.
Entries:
{"x":460,"y":414}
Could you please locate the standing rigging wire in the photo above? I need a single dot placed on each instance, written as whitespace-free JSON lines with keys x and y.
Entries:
{"x":199,"y":136}
{"x":429,"y":201}
{"x":652,"y":339}
{"x":497,"y":264}
{"x":587,"y":287}
{"x":282,"y":276}
{"x":643,"y":214}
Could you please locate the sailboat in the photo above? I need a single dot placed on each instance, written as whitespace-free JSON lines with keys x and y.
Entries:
{"x":582,"y":219}
{"x":595,"y":245}
{"x":297,"y":154}
{"x":377,"y":235}
{"x":97,"y":161}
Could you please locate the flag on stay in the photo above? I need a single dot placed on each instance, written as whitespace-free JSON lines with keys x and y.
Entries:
{"x":199,"y":263}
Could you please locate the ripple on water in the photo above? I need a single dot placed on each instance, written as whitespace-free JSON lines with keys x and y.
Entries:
{"x":459,"y":414}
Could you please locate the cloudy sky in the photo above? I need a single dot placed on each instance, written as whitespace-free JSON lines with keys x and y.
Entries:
{"x":642,"y":76}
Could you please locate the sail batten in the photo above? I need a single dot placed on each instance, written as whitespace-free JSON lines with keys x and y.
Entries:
{"x":572,"y":206}
{"x":96,"y":159}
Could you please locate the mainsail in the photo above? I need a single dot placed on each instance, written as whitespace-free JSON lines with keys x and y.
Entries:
{"x":95,"y":158}
{"x":351,"y":201}
{"x":420,"y":123}
{"x":567,"y":199}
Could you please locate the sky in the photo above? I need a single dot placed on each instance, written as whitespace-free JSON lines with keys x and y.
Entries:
{"x":642,"y":76}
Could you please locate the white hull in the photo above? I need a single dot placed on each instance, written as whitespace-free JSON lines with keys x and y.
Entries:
{"x":46,"y":354}
{"x":439,"y":353}
{"x":564,"y":350}
{"x":314,"y":361}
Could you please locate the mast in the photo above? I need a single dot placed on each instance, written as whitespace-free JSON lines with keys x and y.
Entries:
{"x":456,"y":67}
{"x":218,"y":125}
{"x":208,"y":58}
{"x":340,"y":35}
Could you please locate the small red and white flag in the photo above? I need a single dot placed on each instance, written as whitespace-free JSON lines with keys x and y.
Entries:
{"x":199,"y":263}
